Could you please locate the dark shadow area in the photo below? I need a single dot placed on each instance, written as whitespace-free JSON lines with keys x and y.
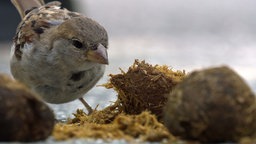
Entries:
{"x":10,"y":18}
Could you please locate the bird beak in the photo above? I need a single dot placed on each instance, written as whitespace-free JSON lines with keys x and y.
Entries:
{"x":98,"y":55}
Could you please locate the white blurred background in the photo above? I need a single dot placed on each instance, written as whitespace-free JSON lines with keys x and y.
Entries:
{"x":184,"y":34}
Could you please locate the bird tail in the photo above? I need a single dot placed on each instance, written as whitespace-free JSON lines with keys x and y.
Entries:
{"x":24,"y":5}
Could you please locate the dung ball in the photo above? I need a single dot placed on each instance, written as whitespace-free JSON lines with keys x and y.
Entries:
{"x":211,"y":105}
{"x":144,"y":87}
{"x":23,"y":115}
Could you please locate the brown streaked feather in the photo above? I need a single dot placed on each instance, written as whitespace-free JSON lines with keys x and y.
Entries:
{"x":23,"y":5}
{"x":36,"y":25}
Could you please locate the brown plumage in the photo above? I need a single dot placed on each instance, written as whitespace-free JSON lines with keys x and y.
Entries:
{"x":52,"y":46}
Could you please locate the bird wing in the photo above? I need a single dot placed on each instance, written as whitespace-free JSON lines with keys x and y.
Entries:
{"x":25,"y":5}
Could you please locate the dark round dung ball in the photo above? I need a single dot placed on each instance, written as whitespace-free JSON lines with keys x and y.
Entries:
{"x":23,"y":116}
{"x":211,"y":105}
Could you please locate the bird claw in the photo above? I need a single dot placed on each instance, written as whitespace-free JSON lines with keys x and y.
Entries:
{"x":87,"y":106}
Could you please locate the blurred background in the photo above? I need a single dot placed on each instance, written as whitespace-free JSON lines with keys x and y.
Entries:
{"x":183,"y":34}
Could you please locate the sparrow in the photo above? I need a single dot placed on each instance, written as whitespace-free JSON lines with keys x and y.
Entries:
{"x":57,"y":53}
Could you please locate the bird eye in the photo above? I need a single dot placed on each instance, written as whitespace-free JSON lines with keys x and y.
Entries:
{"x":77,"y":43}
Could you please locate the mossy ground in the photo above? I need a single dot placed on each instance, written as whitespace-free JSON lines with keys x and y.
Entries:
{"x":137,"y":112}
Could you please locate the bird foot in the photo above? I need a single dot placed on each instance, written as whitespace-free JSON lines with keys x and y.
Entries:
{"x":87,"y":106}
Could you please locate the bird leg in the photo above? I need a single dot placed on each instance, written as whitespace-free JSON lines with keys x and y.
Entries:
{"x":87,"y":106}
